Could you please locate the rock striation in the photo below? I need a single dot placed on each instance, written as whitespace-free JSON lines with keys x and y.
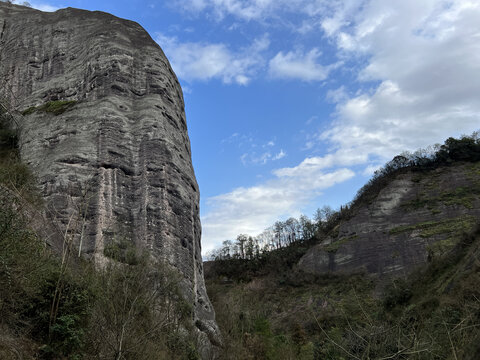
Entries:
{"x":416,"y":217}
{"x":104,"y":129}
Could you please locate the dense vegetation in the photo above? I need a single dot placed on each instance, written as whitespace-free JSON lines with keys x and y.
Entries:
{"x":268,"y":309}
{"x":433,"y":314}
{"x":58,"y":306}
{"x":280,"y":245}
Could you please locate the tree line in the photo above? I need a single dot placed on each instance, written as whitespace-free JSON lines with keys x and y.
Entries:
{"x":292,"y":231}
{"x":466,"y":148}
{"x":280,"y":235}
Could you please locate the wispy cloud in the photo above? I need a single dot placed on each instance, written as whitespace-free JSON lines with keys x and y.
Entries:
{"x":247,"y":10}
{"x":262,"y":158}
{"x":253,"y":150}
{"x":299,"y":65}
{"x":198,"y":61}
{"x":337,"y":95}
{"x":302,"y":16}
{"x":260,"y":10}
{"x":312,"y":165}
{"x":279,"y":155}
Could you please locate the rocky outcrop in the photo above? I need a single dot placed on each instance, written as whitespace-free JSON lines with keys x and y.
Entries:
{"x":104,"y":129}
{"x":416,"y":217}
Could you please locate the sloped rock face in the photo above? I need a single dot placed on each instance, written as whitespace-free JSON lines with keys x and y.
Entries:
{"x":106,"y":134}
{"x":416,"y":217}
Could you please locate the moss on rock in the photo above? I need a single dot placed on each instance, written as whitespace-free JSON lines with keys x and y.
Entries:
{"x":53,"y":107}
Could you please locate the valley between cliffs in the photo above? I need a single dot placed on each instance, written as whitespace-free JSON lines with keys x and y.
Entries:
{"x":394,"y":274}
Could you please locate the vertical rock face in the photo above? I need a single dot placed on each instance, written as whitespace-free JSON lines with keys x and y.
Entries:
{"x":114,"y":163}
{"x":415,"y":218}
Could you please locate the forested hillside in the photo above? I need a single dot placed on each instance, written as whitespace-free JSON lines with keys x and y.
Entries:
{"x":420,"y":213}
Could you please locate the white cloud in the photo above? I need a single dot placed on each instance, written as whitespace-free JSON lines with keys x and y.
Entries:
{"x":424,"y":61}
{"x":36,"y":5}
{"x":251,"y":210}
{"x":306,"y":26}
{"x":337,"y":95}
{"x":310,"y":166}
{"x":299,"y":65}
{"x":204,"y":61}
{"x":261,"y":159}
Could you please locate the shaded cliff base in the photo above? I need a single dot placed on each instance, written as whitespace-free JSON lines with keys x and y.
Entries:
{"x":56,"y":305}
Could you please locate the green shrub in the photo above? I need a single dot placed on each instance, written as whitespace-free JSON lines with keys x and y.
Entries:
{"x":122,"y":250}
{"x":70,"y":310}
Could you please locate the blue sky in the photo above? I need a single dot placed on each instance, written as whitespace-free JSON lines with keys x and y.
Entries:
{"x":292,"y":104}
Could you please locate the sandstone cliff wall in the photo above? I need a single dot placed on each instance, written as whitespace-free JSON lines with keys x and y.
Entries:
{"x":105,"y":132}
{"x":418,"y":216}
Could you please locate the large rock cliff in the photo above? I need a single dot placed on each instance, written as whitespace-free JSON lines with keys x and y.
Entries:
{"x":417,"y":216}
{"x":104,"y":130}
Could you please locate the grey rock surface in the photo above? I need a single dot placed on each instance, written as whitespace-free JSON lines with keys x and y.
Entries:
{"x":116,"y":164}
{"x":416,"y":217}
